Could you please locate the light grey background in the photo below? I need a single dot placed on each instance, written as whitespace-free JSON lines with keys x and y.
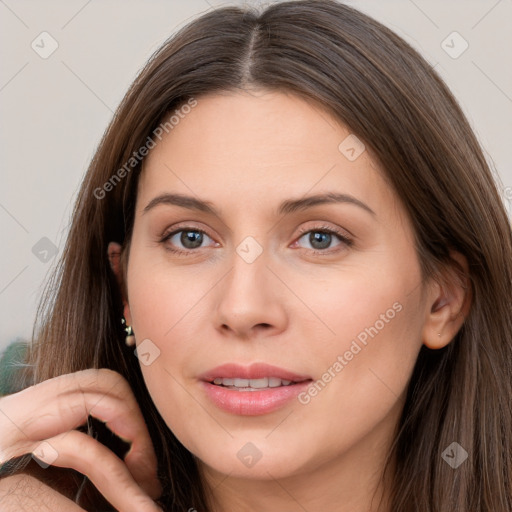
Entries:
{"x":54,"y":110}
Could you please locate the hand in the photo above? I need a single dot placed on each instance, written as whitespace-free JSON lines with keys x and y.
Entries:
{"x":41,"y":420}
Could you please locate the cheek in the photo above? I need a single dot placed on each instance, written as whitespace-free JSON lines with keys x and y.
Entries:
{"x":375,"y":344}
{"x":164,"y":308}
{"x":370,"y":331}
{"x":167,"y":307}
{"x":382,"y":315}
{"x":364,"y":365}
{"x":162,"y":298}
{"x":366,"y":362}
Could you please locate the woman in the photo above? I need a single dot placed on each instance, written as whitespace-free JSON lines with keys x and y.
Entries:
{"x":294,"y":220}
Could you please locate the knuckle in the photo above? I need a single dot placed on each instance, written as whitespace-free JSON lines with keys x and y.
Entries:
{"x":68,"y":408}
{"x":105,"y":377}
{"x":86,"y":378}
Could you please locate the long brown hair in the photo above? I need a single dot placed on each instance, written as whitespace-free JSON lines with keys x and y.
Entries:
{"x":390,"y":98}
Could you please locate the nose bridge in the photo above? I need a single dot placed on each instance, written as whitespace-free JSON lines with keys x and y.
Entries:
{"x":248,"y":275}
{"x":248,"y":296}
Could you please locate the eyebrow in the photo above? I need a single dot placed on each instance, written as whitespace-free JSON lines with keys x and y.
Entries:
{"x":286,"y":207}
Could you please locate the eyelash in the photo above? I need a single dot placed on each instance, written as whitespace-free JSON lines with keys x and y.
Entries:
{"x":348,"y":242}
{"x":319,"y":229}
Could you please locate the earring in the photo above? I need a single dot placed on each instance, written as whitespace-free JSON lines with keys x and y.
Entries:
{"x":130,"y":337}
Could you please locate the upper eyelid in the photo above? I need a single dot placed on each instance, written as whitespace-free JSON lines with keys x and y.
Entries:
{"x":335,"y":230}
{"x":167,"y":234}
{"x":183,"y":227}
{"x":177,"y":228}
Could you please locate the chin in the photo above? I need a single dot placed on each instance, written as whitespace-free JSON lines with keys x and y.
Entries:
{"x":258,"y":461}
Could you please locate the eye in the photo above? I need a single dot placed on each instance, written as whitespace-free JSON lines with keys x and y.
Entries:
{"x":185,"y":240}
{"x":321,"y":239}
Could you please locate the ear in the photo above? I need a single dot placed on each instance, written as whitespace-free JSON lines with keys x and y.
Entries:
{"x":114,"y":251}
{"x":449,"y":304}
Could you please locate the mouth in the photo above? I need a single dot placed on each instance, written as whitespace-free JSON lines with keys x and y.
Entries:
{"x":265,"y":383}
{"x":252,"y":390}
{"x":253,"y":377}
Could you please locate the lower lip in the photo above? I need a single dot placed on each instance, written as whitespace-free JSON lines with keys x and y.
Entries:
{"x":253,"y":403}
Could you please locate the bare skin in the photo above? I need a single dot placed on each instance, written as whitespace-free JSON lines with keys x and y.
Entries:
{"x":292,"y":307}
{"x":41,"y":420}
{"x":23,"y":492}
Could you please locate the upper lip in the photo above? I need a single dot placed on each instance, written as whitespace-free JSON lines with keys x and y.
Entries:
{"x":253,"y":371}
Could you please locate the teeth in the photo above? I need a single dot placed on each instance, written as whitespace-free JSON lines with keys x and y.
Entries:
{"x":274,"y":382}
{"x":258,"y":383}
{"x":252,"y":384}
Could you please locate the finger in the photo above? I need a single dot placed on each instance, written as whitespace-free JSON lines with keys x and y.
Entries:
{"x":64,"y":403}
{"x":106,"y":471}
{"x":70,"y":398}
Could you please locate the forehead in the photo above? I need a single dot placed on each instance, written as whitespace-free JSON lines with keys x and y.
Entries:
{"x":254,"y":148}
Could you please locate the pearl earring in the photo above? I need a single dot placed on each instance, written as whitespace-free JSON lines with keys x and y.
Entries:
{"x":130,"y":337}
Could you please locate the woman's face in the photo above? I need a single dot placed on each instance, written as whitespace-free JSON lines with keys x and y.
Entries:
{"x":264,"y":274}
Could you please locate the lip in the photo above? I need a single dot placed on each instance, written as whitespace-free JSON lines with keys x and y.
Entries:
{"x":254,"y":371}
{"x":252,"y":403}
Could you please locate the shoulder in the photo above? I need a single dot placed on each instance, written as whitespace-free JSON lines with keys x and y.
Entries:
{"x":54,"y":489}
{"x":26,"y":492}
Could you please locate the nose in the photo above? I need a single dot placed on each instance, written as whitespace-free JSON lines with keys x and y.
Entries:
{"x":251,"y":300}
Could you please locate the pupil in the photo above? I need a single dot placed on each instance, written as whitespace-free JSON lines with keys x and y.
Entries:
{"x":324,"y":239}
{"x":191,"y":239}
